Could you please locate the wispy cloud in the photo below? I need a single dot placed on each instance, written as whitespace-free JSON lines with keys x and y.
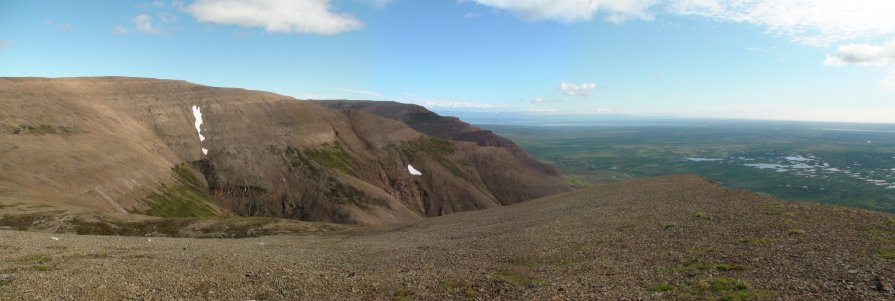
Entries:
{"x":6,"y":44}
{"x":816,"y":22}
{"x":142,"y":23}
{"x":362,"y":92}
{"x":570,"y":89}
{"x":450,"y":104}
{"x":296,"y":16}
{"x":567,"y":11}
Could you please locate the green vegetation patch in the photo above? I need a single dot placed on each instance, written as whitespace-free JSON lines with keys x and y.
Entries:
{"x":715,"y":288}
{"x":703,"y":215}
{"x":424,"y":117}
{"x":886,"y":254}
{"x":333,"y":156}
{"x":459,"y":288}
{"x":41,"y":268}
{"x":577,"y":182}
{"x":403,"y":295}
{"x":44,"y":129}
{"x":661,"y":288}
{"x":539,"y":262}
{"x":518,"y":279}
{"x":438,"y":150}
{"x":751,"y":240}
{"x":693,"y":263}
{"x":186,"y":197}
{"x":796,"y":231}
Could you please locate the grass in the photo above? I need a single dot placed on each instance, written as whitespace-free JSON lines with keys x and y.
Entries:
{"x":715,"y":288}
{"x":458,"y":288}
{"x":333,"y":156}
{"x":661,"y":288}
{"x":886,"y":254}
{"x":41,"y":268}
{"x":5,"y":282}
{"x":577,"y":182}
{"x":751,"y":240}
{"x":436,"y":149}
{"x":186,"y":197}
{"x":727,"y":289}
{"x":692,"y":263}
{"x":703,"y":215}
{"x":518,"y":279}
{"x":44,"y":129}
{"x":403,"y":295}
{"x":539,"y":262}
{"x":669,"y":226}
{"x":796,"y":232}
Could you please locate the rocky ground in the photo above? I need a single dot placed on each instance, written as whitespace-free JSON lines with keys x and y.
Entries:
{"x":677,"y":237}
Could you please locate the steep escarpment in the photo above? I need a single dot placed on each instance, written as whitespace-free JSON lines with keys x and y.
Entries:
{"x":171,"y":148}
{"x":535,"y":178}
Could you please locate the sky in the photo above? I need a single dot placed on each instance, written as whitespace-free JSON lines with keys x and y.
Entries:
{"x":820,"y":60}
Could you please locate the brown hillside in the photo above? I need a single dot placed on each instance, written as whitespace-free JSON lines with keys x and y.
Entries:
{"x":130,"y":145}
{"x":668,"y":238}
{"x":506,"y":178}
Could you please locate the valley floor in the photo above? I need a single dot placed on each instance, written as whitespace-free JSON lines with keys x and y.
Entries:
{"x":675,"y":237}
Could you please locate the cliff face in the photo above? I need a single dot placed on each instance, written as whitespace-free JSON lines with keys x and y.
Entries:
{"x":518,"y":180}
{"x":137,"y":145}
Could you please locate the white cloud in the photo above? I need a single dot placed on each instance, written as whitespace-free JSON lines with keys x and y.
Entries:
{"x":296,"y":16}
{"x":863,"y":54}
{"x":813,"y":22}
{"x":574,"y":10}
{"x":143,"y":23}
{"x":577,"y":89}
{"x":867,"y":55}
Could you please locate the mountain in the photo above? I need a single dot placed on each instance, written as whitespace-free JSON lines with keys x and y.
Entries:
{"x":175,"y":149}
{"x":452,"y":128}
{"x":668,"y":238}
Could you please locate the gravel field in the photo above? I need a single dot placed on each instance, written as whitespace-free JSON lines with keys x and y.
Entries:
{"x":676,"y":237}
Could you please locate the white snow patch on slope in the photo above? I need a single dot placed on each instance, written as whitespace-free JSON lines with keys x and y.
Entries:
{"x":204,"y":151}
{"x":413,"y":171}
{"x":197,"y":113}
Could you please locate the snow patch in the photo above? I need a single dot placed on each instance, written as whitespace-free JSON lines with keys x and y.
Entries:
{"x":413,"y":171}
{"x":704,"y":159}
{"x":204,"y":151}
{"x":197,"y":113}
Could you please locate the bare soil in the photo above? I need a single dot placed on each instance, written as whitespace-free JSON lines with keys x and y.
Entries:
{"x":676,"y":237}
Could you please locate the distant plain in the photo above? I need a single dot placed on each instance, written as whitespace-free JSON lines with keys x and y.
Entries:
{"x":833,"y":163}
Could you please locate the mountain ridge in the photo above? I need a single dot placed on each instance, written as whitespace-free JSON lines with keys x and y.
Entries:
{"x":135,"y":145}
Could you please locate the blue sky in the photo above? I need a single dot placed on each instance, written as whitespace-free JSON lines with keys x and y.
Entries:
{"x":787,"y":59}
